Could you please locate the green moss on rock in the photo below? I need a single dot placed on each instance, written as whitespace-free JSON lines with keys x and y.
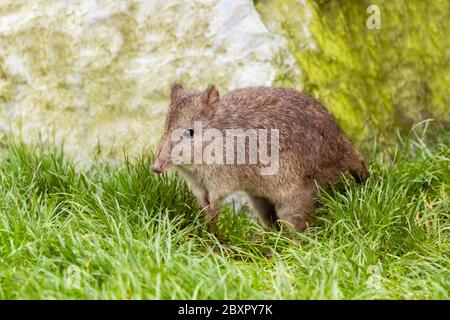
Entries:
{"x":372,"y":80}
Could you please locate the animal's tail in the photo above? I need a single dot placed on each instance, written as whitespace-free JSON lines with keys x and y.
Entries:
{"x":360,"y":174}
{"x":358,"y":168}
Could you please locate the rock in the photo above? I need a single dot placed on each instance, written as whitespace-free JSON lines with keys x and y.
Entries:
{"x":374,"y":81}
{"x":95,"y":75}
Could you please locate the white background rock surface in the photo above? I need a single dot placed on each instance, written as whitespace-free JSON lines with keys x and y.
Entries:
{"x":96,"y":74}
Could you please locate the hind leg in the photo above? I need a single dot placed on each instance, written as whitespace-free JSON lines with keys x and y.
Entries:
{"x":296,"y":211}
{"x":265,"y":210}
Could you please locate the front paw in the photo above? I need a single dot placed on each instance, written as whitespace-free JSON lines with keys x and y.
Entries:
{"x":211,"y":212}
{"x":203,"y":202}
{"x":211,"y":216}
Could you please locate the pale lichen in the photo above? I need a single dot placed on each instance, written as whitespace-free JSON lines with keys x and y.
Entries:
{"x":96,"y":74}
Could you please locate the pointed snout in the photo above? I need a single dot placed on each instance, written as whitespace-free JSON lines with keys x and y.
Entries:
{"x":159,"y":166}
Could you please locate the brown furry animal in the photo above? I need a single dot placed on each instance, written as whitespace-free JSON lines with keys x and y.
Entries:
{"x":312,"y":150}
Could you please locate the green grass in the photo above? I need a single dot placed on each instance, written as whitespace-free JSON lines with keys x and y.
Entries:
{"x":124,"y":233}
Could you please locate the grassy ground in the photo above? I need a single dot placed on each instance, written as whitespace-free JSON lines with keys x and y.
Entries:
{"x":125,"y":233}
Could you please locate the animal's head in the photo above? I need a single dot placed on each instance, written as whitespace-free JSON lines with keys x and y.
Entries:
{"x":185,"y":108}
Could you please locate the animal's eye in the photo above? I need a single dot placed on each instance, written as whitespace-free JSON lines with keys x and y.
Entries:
{"x":189,"y":133}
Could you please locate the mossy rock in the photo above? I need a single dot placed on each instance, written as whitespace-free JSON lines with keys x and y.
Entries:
{"x":373,"y":80}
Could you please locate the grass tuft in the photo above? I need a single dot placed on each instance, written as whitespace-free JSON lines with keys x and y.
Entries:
{"x":124,"y":233}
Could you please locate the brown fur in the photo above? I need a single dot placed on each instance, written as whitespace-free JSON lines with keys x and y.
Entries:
{"x":313,"y":150}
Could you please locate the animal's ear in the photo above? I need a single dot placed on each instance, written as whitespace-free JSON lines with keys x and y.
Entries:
{"x":176,"y":90}
{"x":211,"y":95}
